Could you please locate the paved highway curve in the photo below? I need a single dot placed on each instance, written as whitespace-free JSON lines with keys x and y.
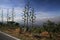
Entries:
{"x":5,"y":37}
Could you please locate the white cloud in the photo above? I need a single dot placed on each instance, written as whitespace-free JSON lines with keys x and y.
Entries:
{"x":42,"y":15}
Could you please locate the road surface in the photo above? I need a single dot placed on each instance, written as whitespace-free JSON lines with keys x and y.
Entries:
{"x":4,"y":36}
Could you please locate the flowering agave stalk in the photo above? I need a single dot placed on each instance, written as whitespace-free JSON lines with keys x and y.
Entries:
{"x":32,"y":17}
{"x":12,"y":14}
{"x":26,"y":15}
{"x":7,"y":15}
{"x":2,"y":16}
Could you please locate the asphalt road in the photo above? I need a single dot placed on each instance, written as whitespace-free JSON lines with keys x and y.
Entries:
{"x":4,"y":36}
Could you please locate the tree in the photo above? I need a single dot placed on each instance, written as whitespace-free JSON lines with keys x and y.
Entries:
{"x":49,"y":27}
{"x":57,"y":29}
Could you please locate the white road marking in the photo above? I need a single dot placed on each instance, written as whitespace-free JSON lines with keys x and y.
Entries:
{"x":9,"y":35}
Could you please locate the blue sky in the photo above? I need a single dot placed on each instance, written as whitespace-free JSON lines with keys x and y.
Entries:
{"x":43,"y":8}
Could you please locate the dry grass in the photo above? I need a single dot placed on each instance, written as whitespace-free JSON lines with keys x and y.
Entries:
{"x":27,"y":35}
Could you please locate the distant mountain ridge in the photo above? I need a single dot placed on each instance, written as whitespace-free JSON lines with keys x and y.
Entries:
{"x":54,"y":19}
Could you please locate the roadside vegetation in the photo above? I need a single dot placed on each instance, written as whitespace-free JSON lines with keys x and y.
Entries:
{"x":48,"y":31}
